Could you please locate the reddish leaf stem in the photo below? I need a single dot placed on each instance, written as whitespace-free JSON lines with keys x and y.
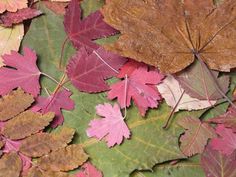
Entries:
{"x":62,"y":52}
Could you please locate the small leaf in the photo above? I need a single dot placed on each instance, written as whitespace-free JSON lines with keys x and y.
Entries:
{"x":89,"y":171}
{"x":14,"y":103}
{"x":26,"y":124}
{"x":12,"y":5}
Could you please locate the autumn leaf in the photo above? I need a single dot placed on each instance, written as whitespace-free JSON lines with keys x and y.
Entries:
{"x":12,"y":5}
{"x":87,"y":72}
{"x":112,"y":127}
{"x":171,"y":34}
{"x":196,"y":135}
{"x":139,"y":87}
{"x":83,"y":32}
{"x":89,"y":171}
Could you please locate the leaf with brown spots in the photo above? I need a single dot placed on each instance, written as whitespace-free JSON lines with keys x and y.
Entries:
{"x":26,"y":124}
{"x":170,"y":34}
{"x":43,"y":143}
{"x":14,"y":103}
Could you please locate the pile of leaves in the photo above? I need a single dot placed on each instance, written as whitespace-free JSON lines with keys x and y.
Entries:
{"x":111,"y":88}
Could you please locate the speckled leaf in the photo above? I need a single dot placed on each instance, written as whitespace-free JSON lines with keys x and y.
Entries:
{"x":33,"y":172}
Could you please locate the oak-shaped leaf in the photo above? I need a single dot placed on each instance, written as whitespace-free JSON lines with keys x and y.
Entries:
{"x":87,"y":72}
{"x":176,"y":97}
{"x":14,"y":103}
{"x":139,"y":86}
{"x":195,"y":138}
{"x":216,"y":164}
{"x":170,"y":34}
{"x":83,"y":32}
{"x":201,"y":83}
{"x":9,"y":18}
{"x":54,"y":103}
{"x":226,"y":142}
{"x":112,"y":126}
{"x":23,"y":72}
{"x":42,"y":143}
{"x":89,"y":171}
{"x":12,"y":5}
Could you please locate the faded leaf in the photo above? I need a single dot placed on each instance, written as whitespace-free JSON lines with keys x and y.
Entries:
{"x":169,"y":34}
{"x":26,"y":124}
{"x":196,"y":135}
{"x":14,"y":103}
{"x":10,"y":165}
{"x":12,"y":5}
{"x":35,"y":172}
{"x":64,"y":159}
{"x":43,"y":143}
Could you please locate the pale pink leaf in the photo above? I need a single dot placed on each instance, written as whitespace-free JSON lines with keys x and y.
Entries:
{"x":12,"y":5}
{"x":89,"y":171}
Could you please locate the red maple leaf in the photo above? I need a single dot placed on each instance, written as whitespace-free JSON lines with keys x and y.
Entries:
{"x":20,"y":71}
{"x":139,"y":88}
{"x":87,"y":72}
{"x":83,"y":32}
{"x":54,"y":103}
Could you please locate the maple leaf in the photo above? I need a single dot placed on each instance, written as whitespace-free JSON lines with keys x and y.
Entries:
{"x":88,"y":71}
{"x":112,"y":126}
{"x":196,"y":135}
{"x":83,"y":32}
{"x":12,"y":5}
{"x":54,"y":103}
{"x":176,"y":97}
{"x":23,"y":73}
{"x":226,"y":142}
{"x":89,"y":171}
{"x":216,"y":164}
{"x":9,"y":18}
{"x":139,"y":88}
{"x":171,"y":33}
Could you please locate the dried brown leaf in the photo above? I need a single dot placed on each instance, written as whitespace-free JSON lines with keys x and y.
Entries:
{"x":26,"y":124}
{"x":43,"y":143}
{"x":169,"y":34}
{"x":64,"y":159}
{"x":10,"y":165}
{"x":1,"y":144}
{"x":35,"y":172}
{"x":14,"y":103}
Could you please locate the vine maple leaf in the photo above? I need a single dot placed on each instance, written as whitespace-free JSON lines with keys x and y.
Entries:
{"x":83,"y":32}
{"x":12,"y":5}
{"x":23,"y":73}
{"x":112,"y":126}
{"x":139,"y":88}
{"x":88,"y":71}
{"x":89,"y":171}
{"x":171,"y":33}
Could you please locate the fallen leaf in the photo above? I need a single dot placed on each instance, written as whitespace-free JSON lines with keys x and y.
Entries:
{"x":33,"y":172}
{"x":196,"y":135}
{"x":57,"y":7}
{"x":83,"y":32}
{"x":9,"y":18}
{"x":89,"y":171}
{"x":170,"y":34}
{"x":216,"y":164}
{"x":111,"y":127}
{"x":140,"y":88}
{"x":10,"y":39}
{"x":12,"y":5}
{"x":172,"y":92}
{"x":87,"y":72}
{"x":23,"y":72}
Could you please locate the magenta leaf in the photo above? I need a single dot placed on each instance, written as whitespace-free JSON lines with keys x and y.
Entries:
{"x":87,"y":72}
{"x":83,"y":32}
{"x":112,"y":126}
{"x":89,"y":171}
{"x":140,"y":88}
{"x":20,"y":71}
{"x":54,"y":103}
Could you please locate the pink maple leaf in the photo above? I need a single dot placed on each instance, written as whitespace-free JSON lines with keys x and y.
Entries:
{"x":112,"y":126}
{"x":88,"y":71}
{"x":9,"y":18}
{"x":89,"y":171}
{"x":83,"y":32}
{"x":226,"y":142}
{"x":139,"y":88}
{"x":54,"y":103}
{"x":23,"y":73}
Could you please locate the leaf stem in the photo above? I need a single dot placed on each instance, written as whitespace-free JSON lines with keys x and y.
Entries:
{"x":62,"y":52}
{"x":125,"y":92}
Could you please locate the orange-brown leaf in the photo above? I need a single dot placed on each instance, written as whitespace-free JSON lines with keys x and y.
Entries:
{"x":169,"y":34}
{"x":14,"y":103}
{"x":35,"y":172}
{"x":43,"y":143}
{"x":26,"y":124}
{"x":64,"y":159}
{"x":10,"y":165}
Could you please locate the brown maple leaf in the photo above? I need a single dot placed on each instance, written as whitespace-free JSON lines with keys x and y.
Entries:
{"x":169,"y":34}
